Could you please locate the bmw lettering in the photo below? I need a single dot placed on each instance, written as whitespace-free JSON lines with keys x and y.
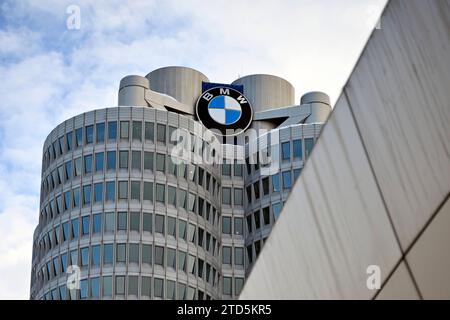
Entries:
{"x":224,"y":109}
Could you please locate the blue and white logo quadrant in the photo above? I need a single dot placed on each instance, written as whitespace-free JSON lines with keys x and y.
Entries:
{"x":224,"y":110}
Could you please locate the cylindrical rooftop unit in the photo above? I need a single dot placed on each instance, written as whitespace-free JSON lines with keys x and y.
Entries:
{"x":320,"y":106}
{"x":132,"y":91}
{"x":184,"y":84}
{"x":267,"y":91}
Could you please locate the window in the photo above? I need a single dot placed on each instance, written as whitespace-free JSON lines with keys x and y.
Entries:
{"x":161,"y":133}
{"x":69,"y":140}
{"x":249,"y":224}
{"x":191,"y":264}
{"x":89,"y":134}
{"x":136,"y":160}
{"x":256,"y":189}
{"x":226,"y":255}
{"x":65,"y":229}
{"x":99,"y":161}
{"x":309,"y":143}
{"x":227,"y":286}
{"x":249,"y":253}
{"x":170,"y":292}
{"x":173,"y":135}
{"x":181,"y":291}
{"x":148,"y":191}
{"x":97,"y":223}
{"x":226,"y":195}
{"x":74,"y":228}
{"x":257,"y":220}
{"x":94,"y":288}
{"x":135,"y":218}
{"x":147,"y":254}
{"x":74,"y":257}
{"x":124,"y":129}
{"x":276,"y":182}
{"x":77,"y":171}
{"x":159,"y":288}
{"x":110,"y":191}
{"x":297,"y":145}
{"x":64,"y":262}
{"x":172,"y":195}
{"x":238,"y":284}
{"x":226,"y":169}
{"x":159,"y":255}
{"x":146,"y":286}
{"x":79,"y":137}
{"x":85,"y":225}
{"x":123,"y":189}
{"x":107,"y":286}
{"x":171,"y":253}
{"x":237,"y":169}
{"x":286,"y":151}
{"x":226,"y":225}
{"x":160,"y":162}
{"x":171,"y":226}
{"x":182,"y":261}
{"x":257,"y":248}
{"x":172,"y":166}
{"x":123,"y":159}
{"x":100,"y":132}
{"x":201,"y":234}
{"x":182,"y":199}
{"x":191,"y":233}
{"x":87,"y":194}
{"x":111,"y":160}
{"x":120,"y":252}
{"x":133,"y":285}
{"x":120,"y":285}
{"x":68,"y":170}
{"x":98,"y":192}
{"x":148,"y":160}
{"x":108,"y":253}
{"x":238,"y":226}
{"x":147,"y":222}
{"x":136,"y":190}
{"x":159,"y":224}
{"x":265,"y":184}
{"x":112,"y":130}
{"x":149,"y":131}
{"x":137,"y":130}
{"x":191,"y":202}
{"x":121,"y":221}
{"x":83,"y":289}
{"x":95,"y":256}
{"x":287,"y":183}
{"x":133,"y":253}
{"x":249,"y":194}
{"x":201,"y":204}
{"x":160,"y":192}
{"x":67,"y":200}
{"x":84,"y":256}
{"x":182,"y":229}
{"x":266,"y":215}
{"x":297,"y":173}
{"x":109,"y":221}
{"x":238,"y":256}
{"x":276,"y":209}
{"x":238,"y":196}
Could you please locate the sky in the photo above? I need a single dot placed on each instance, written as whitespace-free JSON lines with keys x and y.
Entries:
{"x":49,"y":72}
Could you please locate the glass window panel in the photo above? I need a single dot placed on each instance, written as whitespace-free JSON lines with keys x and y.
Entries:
{"x":149,"y":131}
{"x":147,"y":253}
{"x":123,"y":159}
{"x":238,"y":284}
{"x":68,"y":170}
{"x":287,"y":183}
{"x":226,"y":255}
{"x":74,"y":223}
{"x":121,"y":252}
{"x":87,"y":194}
{"x":276,"y":209}
{"x":136,"y":160}
{"x":84,"y":256}
{"x":69,"y":139}
{"x":191,"y":264}
{"x":135,"y":218}
{"x":133,"y":285}
{"x":99,"y":161}
{"x":79,"y":137}
{"x":170,"y":290}
{"x":85,"y":225}
{"x":159,"y":288}
{"x":276,"y":182}
{"x":191,"y":233}
{"x":100,"y":132}
{"x":124,"y":129}
{"x":226,"y":225}
{"x":297,"y":145}
{"x":107,"y":286}
{"x":160,"y":192}
{"x":159,"y":255}
{"x":111,"y":160}
{"x":95,"y":255}
{"x":249,"y":224}
{"x":191,"y":202}
{"x":98,"y":192}
{"x":182,"y":261}
{"x":266,"y":215}
{"x":77,"y":171}
{"x":147,"y":222}
{"x":94,"y":288}
{"x":171,"y":254}
{"x":108,"y":255}
{"x":137,"y":130}
{"x":109,"y":221}
{"x":182,"y":229}
{"x":181,"y":291}
{"x":238,"y":226}
{"x":110,"y":191}
{"x":309,"y":143}
{"x":161,"y":133}
{"x":171,"y":226}
{"x":257,"y":220}
{"x":148,"y":191}
{"x":286,"y":150}
{"x":64,"y":262}
{"x":226,"y":195}
{"x":227,"y":286}
{"x":97,"y":223}
{"x":148,"y":160}
{"x":112,"y":130}
{"x":226,"y":169}
{"x":65,"y":230}
{"x":172,"y":195}
{"x":239,"y":256}
{"x":89,"y":134}
{"x":146,"y":286}
{"x":159,"y":223}
{"x":133,"y":253}
{"x":83,"y":289}
{"x":238,"y":196}
{"x":136,"y":190}
{"x":182,"y":199}
{"x":265,"y":184}
{"x":120,"y":285}
{"x":121,"y":221}
{"x":123,"y":189}
{"x":160,"y":162}
{"x":256,"y":189}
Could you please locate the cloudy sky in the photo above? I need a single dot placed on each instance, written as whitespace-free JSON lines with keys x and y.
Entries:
{"x":49,"y":73}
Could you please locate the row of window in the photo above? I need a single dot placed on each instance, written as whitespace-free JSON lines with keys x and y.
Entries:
{"x":134,"y":160}
{"x":134,"y":286}
{"x":262,"y":217}
{"x":100,"y":192}
{"x":129,"y":222}
{"x":133,"y":253}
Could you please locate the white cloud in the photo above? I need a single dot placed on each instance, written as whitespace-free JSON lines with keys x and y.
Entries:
{"x":50,"y":73}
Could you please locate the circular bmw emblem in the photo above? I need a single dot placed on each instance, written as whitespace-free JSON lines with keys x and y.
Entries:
{"x":224,"y":109}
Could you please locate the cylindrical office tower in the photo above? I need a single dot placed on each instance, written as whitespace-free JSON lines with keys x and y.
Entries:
{"x":182,"y":83}
{"x":266,"y":92}
{"x":118,"y":213}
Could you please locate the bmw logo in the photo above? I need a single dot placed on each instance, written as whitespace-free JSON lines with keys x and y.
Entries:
{"x":224,"y":109}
